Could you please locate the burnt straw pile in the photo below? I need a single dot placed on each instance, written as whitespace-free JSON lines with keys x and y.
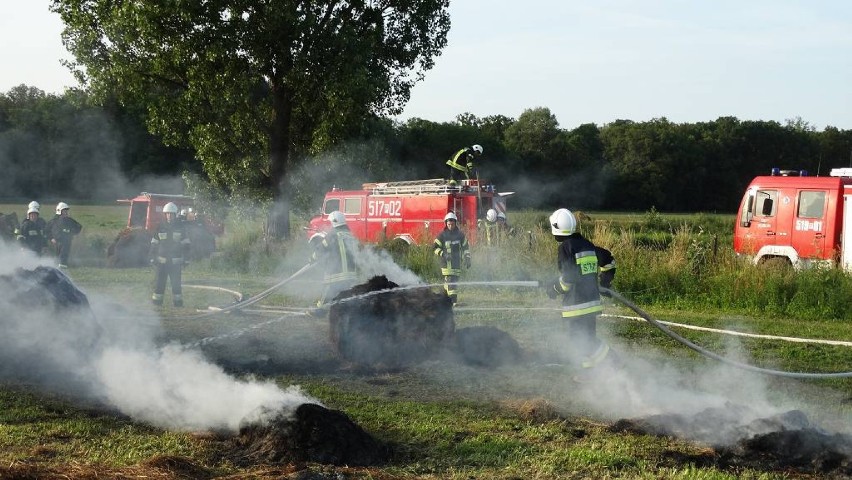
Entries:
{"x":394,"y":328}
{"x":786,"y":441}
{"x":312,"y":433}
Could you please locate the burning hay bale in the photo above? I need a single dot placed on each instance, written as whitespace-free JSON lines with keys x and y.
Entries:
{"x":311,"y":434}
{"x":391,"y":329}
{"x":787,"y":441}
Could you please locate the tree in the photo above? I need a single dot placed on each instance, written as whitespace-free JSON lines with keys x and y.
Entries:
{"x":255,"y":86}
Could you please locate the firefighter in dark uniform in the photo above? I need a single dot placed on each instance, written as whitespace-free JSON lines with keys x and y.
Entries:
{"x":337,"y":254}
{"x":577,"y":283}
{"x":61,"y":230}
{"x":463,"y":161}
{"x":32,"y":233}
{"x":169,"y":251}
{"x":452,"y":248}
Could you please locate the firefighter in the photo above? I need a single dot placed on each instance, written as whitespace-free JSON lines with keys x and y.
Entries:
{"x":463,"y":161}
{"x":169,"y":251}
{"x":503,"y":225}
{"x":577,"y":283}
{"x":452,"y":247}
{"x":32,"y":232}
{"x":489,"y":226}
{"x":337,"y":252}
{"x":61,"y":230}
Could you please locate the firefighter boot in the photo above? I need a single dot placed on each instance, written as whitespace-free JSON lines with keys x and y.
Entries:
{"x":157,"y":299}
{"x":178,"y":300}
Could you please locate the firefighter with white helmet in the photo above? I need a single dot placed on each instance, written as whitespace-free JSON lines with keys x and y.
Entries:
{"x":462,"y":161}
{"x":489,"y":227}
{"x":337,"y":252}
{"x":169,"y":252}
{"x":577,"y":284}
{"x":31,"y":234}
{"x":61,"y":230}
{"x":452,"y":248}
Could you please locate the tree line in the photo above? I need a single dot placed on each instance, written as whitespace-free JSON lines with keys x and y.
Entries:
{"x":67,"y":146}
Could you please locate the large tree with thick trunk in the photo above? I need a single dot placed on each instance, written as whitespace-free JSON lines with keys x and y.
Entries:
{"x":255,"y":86}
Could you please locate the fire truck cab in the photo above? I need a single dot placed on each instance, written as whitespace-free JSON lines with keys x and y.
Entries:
{"x":409,"y":211}
{"x":796,"y":218}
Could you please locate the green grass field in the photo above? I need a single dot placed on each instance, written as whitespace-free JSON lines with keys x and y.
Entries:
{"x":445,"y":419}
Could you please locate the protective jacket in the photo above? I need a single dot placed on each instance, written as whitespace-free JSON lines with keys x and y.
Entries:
{"x":62,"y":229}
{"x":337,"y":254}
{"x":171,"y":243}
{"x":32,"y":234}
{"x":452,"y":247}
{"x":463,"y":161}
{"x":491,"y":230}
{"x":578,"y":279}
{"x":606,"y":266}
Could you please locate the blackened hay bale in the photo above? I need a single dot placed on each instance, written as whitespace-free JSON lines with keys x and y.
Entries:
{"x":484,"y":346}
{"x":393,"y":328}
{"x":786,"y":441}
{"x":40,"y":288}
{"x":129,"y":249}
{"x":312,"y":433}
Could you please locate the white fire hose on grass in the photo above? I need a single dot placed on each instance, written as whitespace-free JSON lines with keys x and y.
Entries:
{"x":715,"y":356}
{"x":251,"y":300}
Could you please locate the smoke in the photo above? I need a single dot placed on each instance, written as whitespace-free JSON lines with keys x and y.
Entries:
{"x":109,"y":355}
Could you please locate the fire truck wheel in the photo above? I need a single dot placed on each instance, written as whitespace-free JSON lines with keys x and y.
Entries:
{"x":779,"y":263}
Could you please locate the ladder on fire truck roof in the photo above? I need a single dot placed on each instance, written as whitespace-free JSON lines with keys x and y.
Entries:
{"x":434,"y":185}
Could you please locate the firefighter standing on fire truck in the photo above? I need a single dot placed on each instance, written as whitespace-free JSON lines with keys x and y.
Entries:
{"x":463,"y":161}
{"x":452,"y":247}
{"x":169,"y":252}
{"x":337,"y":251}
{"x":577,"y":283}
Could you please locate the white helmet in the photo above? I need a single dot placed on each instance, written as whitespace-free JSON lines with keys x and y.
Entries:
{"x":491,"y":215}
{"x":562,"y":222}
{"x":61,"y":206}
{"x":477,"y":149}
{"x":337,"y":218}
{"x":32,"y":210}
{"x":170,"y":208}
{"x":451,"y":216}
{"x":501,"y":215}
{"x":33,"y":205}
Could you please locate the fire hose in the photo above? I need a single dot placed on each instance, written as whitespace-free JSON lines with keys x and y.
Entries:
{"x":251,"y":300}
{"x":709,"y":354}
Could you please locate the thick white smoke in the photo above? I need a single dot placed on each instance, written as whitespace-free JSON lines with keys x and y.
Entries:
{"x":113,"y":358}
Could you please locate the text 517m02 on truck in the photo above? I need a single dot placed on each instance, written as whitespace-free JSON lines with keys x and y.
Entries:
{"x":798,"y":219}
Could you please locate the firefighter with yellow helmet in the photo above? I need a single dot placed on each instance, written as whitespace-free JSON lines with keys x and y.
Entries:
{"x":577,"y":284}
{"x":337,"y":253}
{"x":169,"y":252}
{"x":452,"y":248}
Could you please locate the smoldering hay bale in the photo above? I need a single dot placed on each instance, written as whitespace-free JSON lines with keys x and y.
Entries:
{"x":46,"y":322}
{"x":392,"y":328}
{"x":786,"y":441}
{"x":312,"y":433}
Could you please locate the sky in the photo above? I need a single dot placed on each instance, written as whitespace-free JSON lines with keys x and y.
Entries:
{"x":587,"y":61}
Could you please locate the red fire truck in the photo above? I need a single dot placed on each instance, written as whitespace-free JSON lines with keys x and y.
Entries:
{"x":796,"y":218}
{"x":409,"y":211}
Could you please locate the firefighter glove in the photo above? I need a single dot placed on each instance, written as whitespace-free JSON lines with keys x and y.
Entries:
{"x":466,"y":262}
